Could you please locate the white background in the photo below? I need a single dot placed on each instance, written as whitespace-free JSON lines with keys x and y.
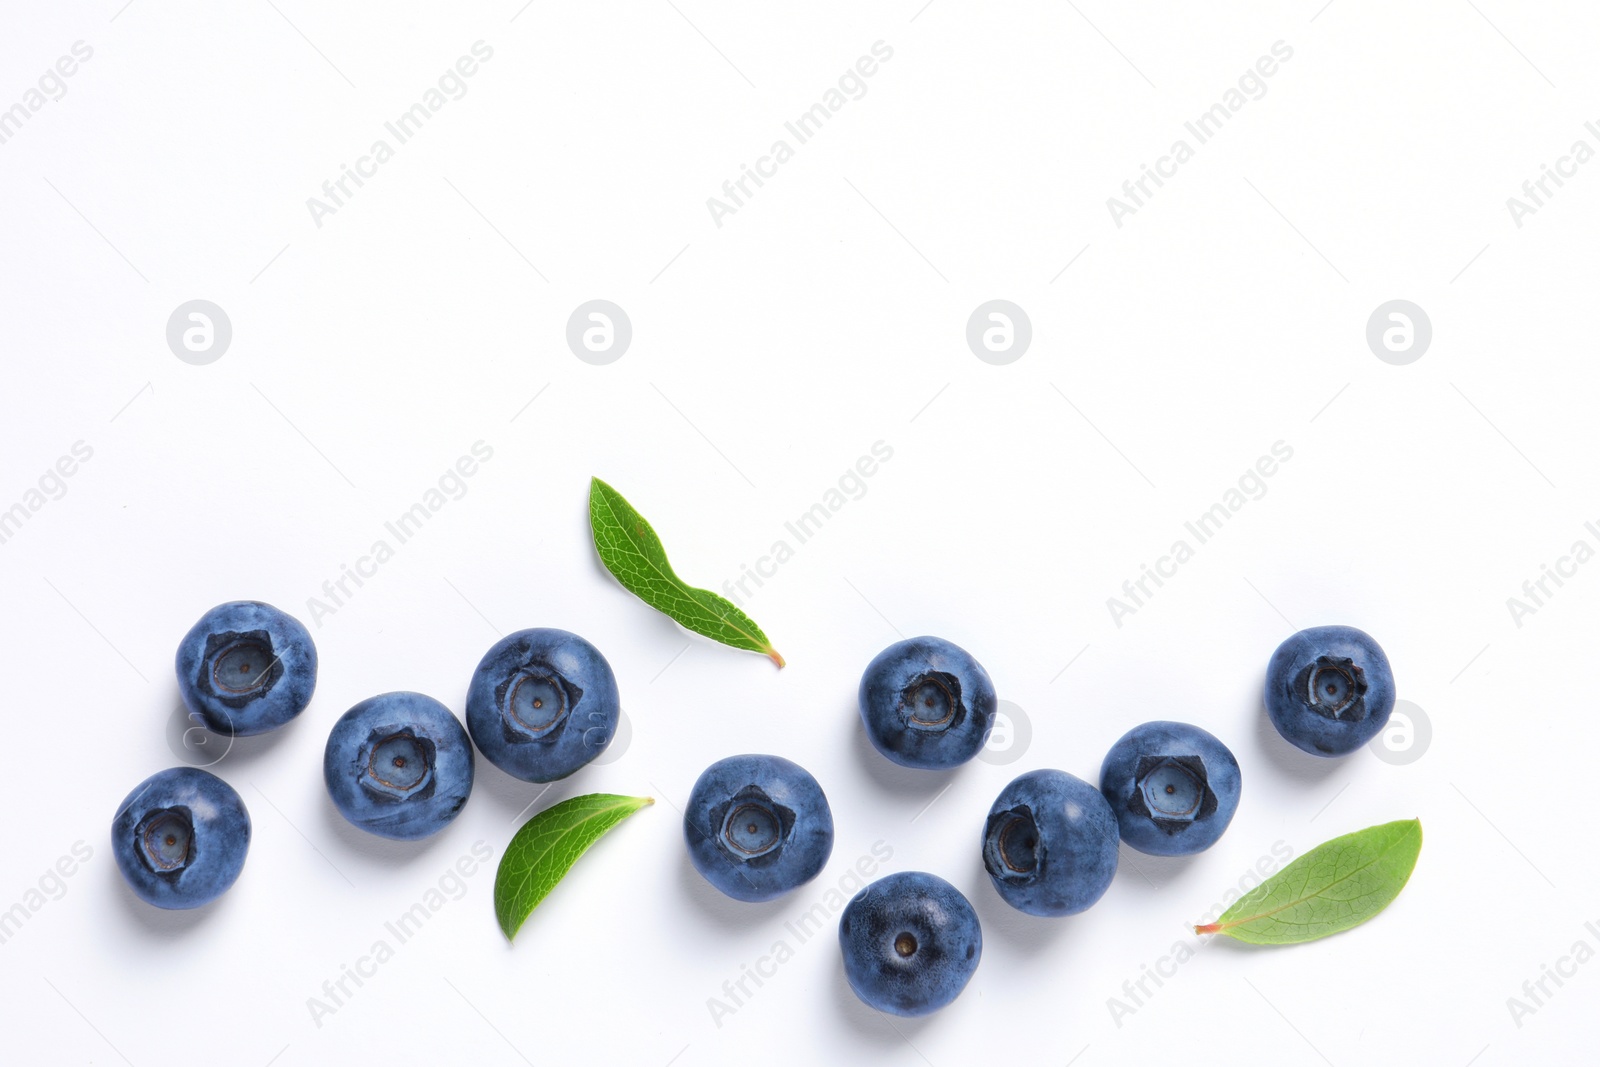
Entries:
{"x":827,"y":314}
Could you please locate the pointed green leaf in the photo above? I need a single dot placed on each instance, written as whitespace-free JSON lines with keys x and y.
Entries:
{"x":541,"y":853}
{"x":1337,"y":885}
{"x":632,"y":552}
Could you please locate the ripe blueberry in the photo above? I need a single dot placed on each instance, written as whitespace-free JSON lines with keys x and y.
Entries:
{"x":398,"y":765}
{"x":910,"y":942}
{"x":246,"y":668}
{"x":1173,"y":787}
{"x":180,"y":838}
{"x":757,"y":826}
{"x":1329,"y":690}
{"x":1050,"y":845}
{"x":927,"y":703}
{"x":542,"y":703}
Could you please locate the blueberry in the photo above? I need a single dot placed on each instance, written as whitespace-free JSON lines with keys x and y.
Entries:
{"x":910,"y":942}
{"x":246,"y":668}
{"x":1050,"y":845}
{"x":1329,"y":690}
{"x":398,"y":765}
{"x":927,"y":703}
{"x":757,"y":826}
{"x":542,"y":703}
{"x":1172,"y":786}
{"x":180,"y":838}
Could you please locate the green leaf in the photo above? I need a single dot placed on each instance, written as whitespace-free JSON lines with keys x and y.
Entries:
{"x":632,"y":552}
{"x":1337,"y":885}
{"x":544,"y":850}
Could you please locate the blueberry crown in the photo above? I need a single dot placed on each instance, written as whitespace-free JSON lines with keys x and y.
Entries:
{"x":239,"y":667}
{"x":1172,"y":791}
{"x":932,"y":701}
{"x":1334,"y":688}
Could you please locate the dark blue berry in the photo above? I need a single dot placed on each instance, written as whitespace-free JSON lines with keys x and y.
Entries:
{"x":911,"y":942}
{"x":542,"y":703}
{"x":398,"y":765}
{"x":246,"y":668}
{"x":757,"y":826}
{"x":927,"y":703}
{"x":1172,"y":786}
{"x":180,"y":838}
{"x":1329,"y":690}
{"x":1050,"y":843}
